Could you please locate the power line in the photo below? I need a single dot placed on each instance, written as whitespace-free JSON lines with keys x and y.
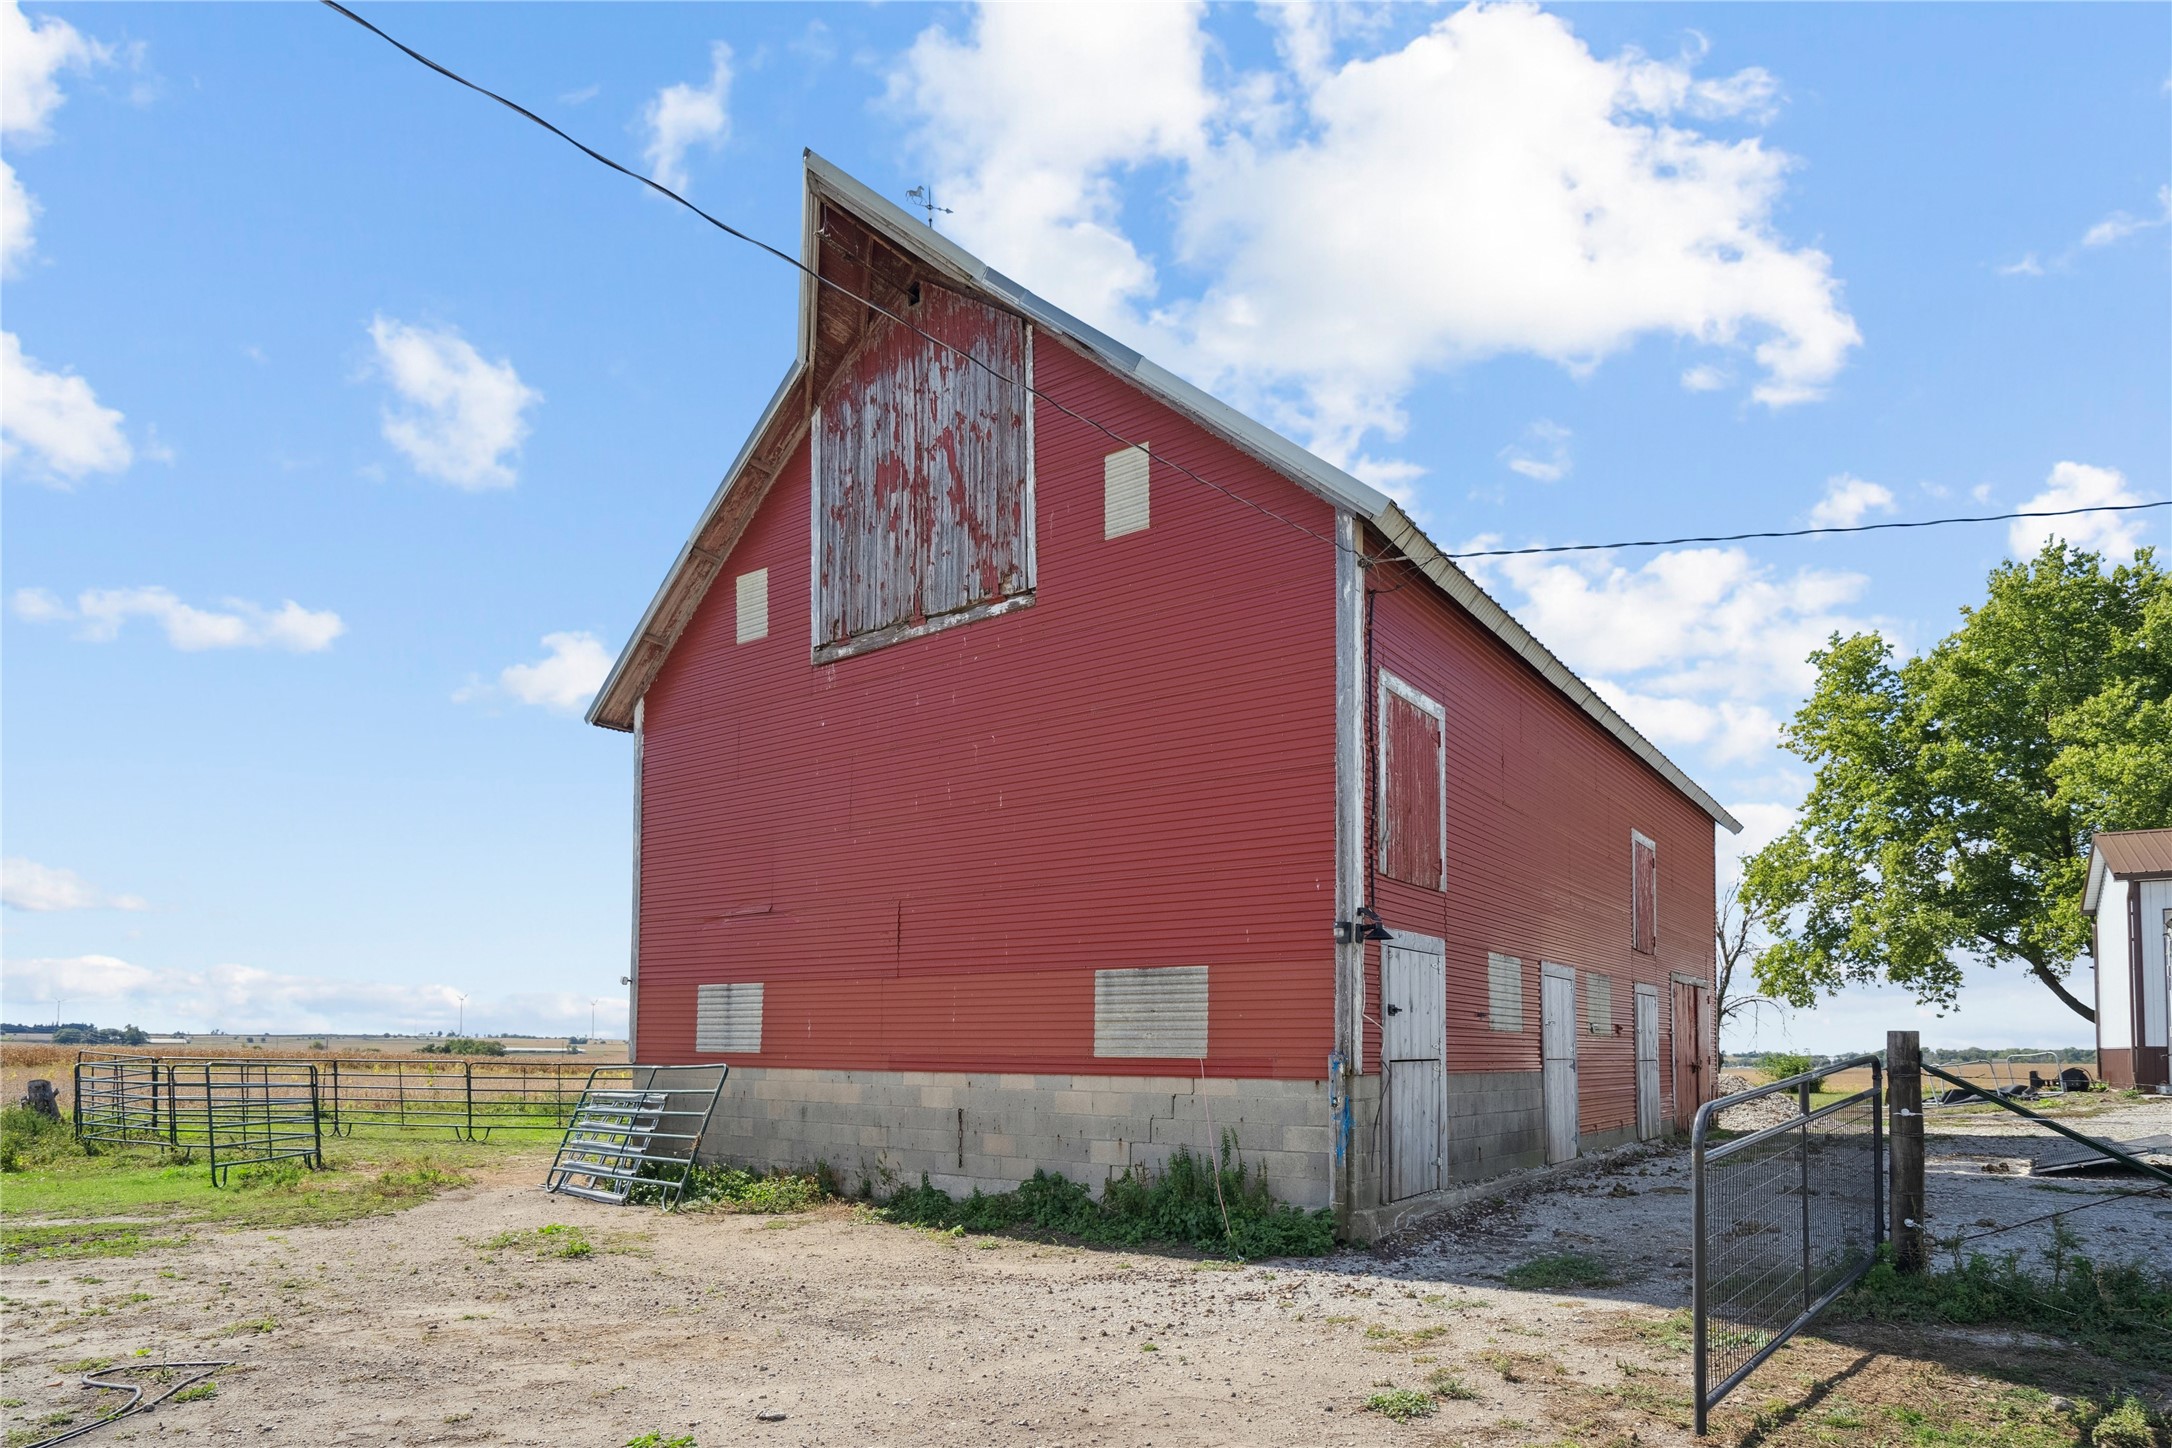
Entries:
{"x":1812,"y":532}
{"x":1163,"y":458}
{"x":799,"y":266}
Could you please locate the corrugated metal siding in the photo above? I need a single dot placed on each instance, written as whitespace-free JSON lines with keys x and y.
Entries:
{"x":1541,"y":802}
{"x":927,"y":851}
{"x":922,"y":463}
{"x":728,"y":1017}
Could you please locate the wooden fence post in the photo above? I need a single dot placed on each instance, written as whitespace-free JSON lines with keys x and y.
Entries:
{"x":1904,"y":1087}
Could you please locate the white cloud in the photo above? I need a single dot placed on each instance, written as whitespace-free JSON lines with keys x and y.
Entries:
{"x":1728,"y":730}
{"x":31,"y":57}
{"x":232,"y":997}
{"x":1848,"y":500}
{"x":1763,"y":821}
{"x":54,"y":422}
{"x":1703,"y":378}
{"x":563,"y":681}
{"x":2078,"y":485}
{"x":2119,"y":225}
{"x":1695,"y":621}
{"x":100,"y":613}
{"x":1546,"y":458}
{"x":681,"y":117}
{"x":1564,"y":203}
{"x":464,"y":420}
{"x":18,"y":222}
{"x":28,"y":885}
{"x":2112,"y":230}
{"x":1017,"y":120}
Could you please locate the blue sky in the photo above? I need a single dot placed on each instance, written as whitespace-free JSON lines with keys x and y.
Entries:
{"x":351,"y":421}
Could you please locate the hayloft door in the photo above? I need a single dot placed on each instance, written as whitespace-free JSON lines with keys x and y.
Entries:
{"x":1414,"y":1056}
{"x":1557,"y":1058}
{"x":1647,"y":1027}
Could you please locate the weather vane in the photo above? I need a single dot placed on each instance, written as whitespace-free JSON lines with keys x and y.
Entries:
{"x":924,"y":198}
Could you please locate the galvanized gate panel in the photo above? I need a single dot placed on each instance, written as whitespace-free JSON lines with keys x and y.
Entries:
{"x":1647,"y":1033}
{"x":1557,"y":1058}
{"x":1414,"y":1054}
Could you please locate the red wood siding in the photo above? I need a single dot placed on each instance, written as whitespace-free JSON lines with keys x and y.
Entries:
{"x":925,"y":851}
{"x":1410,"y":806}
{"x":922,"y":461}
{"x":1541,"y":802}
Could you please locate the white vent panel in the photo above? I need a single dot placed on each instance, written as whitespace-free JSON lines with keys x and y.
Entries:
{"x":728,"y":1017}
{"x":1124,"y":478}
{"x":1504,"y":992}
{"x":1156,"y":1012}
{"x":754,"y":605}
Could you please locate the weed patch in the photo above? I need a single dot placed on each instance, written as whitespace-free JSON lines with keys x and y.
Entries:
{"x":732,"y":1189}
{"x":1180,"y":1204}
{"x":1445,"y":1384}
{"x":553,"y":1240}
{"x":1400,"y":1404}
{"x":1557,"y":1270}
{"x":2121,"y":1311}
{"x":30,"y":1139}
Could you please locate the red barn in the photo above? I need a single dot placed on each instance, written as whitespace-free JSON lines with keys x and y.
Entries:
{"x":1132,"y":775}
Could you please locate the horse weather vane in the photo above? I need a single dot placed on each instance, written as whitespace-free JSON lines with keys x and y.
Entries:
{"x":924,"y":198}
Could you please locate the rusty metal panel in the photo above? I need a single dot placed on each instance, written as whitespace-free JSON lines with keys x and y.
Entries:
{"x":728,"y":1018}
{"x":1157,"y":1012}
{"x":921,"y":470}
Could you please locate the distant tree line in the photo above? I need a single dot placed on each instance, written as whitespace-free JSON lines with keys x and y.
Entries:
{"x":81,"y":1033}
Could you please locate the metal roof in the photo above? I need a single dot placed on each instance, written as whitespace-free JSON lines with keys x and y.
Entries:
{"x":2127,"y":854}
{"x":668,"y":611}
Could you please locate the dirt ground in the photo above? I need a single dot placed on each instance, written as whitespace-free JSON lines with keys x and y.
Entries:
{"x":459,"y":1322}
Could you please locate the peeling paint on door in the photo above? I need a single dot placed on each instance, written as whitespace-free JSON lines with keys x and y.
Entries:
{"x":922,"y":482}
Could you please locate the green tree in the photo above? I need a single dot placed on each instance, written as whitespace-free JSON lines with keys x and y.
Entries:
{"x":1957,"y":792}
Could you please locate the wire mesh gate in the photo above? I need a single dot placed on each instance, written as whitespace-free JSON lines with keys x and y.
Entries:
{"x":1786,"y":1218}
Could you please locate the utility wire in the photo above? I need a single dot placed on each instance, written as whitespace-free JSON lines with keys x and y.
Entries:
{"x":1162,"y":458}
{"x":799,"y":266}
{"x":1811,"y":532}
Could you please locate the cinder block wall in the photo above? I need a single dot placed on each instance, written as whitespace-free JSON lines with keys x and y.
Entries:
{"x":1496,"y":1123}
{"x":967,"y":1130}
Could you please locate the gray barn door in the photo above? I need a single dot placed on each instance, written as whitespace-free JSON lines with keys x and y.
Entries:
{"x":1557,"y":1058}
{"x":1647,"y":1026}
{"x":1414,"y":1053}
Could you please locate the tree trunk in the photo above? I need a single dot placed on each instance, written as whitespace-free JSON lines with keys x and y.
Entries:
{"x":2059,"y":989}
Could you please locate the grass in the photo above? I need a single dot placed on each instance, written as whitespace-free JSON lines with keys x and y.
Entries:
{"x":119,"y":1202}
{"x":553,"y":1240}
{"x":1181,"y":1204}
{"x":1400,"y":1404}
{"x":658,"y":1440}
{"x":2119,"y":1311}
{"x":733,"y":1189}
{"x":1558,"y":1270}
{"x":197,"y":1392}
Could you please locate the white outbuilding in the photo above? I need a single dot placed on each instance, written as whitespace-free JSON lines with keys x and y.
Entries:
{"x":2129,"y":904}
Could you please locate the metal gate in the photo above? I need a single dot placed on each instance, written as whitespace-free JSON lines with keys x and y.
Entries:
{"x":1786,"y":1219}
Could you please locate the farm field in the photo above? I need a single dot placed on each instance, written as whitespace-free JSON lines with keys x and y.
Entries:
{"x":430,"y":1292}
